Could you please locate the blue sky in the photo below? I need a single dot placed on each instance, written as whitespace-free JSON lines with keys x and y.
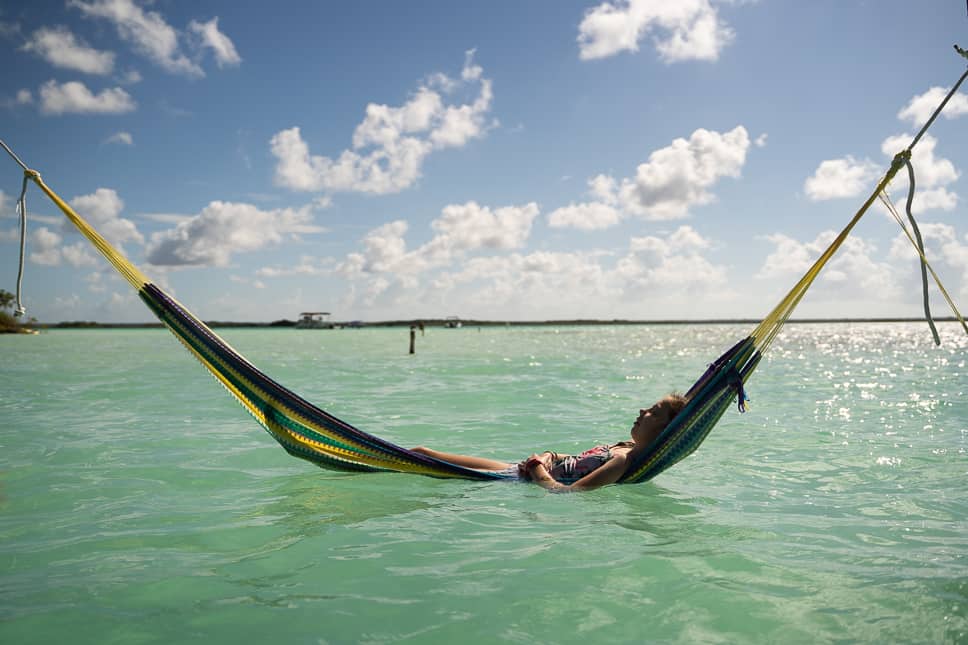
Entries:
{"x":501,"y":160}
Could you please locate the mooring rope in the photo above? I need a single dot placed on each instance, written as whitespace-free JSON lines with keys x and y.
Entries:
{"x":22,"y":209}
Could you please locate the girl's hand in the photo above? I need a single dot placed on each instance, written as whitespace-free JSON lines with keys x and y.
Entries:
{"x":526,"y":467}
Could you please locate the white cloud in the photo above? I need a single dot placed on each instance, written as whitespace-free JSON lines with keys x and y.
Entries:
{"x":671,"y":262}
{"x":147,"y":32}
{"x":590,"y":216}
{"x":682,"y":30}
{"x":102,"y":209}
{"x":123,"y":138}
{"x":669,"y":268}
{"x":74,"y":97}
{"x":467,"y":227}
{"x":46,"y":248}
{"x":385,"y":275}
{"x":219,"y":43}
{"x":666,"y":187}
{"x":79,"y":255}
{"x":921,"y":107}
{"x":543,"y":285}
{"x":223,"y":228}
{"x":59,"y":47}
{"x":942,"y":248}
{"x":461,"y":229}
{"x":839,"y":178}
{"x":587,"y":216}
{"x":391,"y":143}
{"x":678,"y":177}
{"x":852,"y":276}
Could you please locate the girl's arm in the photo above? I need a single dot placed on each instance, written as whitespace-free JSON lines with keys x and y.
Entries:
{"x":608,"y":473}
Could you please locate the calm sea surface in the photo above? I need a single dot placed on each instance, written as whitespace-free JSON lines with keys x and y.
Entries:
{"x":139,"y":503}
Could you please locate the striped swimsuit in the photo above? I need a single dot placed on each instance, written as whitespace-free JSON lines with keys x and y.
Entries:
{"x":571,"y":468}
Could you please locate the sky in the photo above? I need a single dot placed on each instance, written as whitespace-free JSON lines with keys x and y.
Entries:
{"x":500,"y":160}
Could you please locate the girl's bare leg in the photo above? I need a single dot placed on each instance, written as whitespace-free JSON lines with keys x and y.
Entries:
{"x":481,"y":463}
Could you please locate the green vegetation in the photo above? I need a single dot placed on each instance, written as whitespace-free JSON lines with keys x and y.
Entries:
{"x":9,"y":324}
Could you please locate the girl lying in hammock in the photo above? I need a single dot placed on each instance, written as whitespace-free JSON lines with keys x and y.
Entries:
{"x":598,"y":466}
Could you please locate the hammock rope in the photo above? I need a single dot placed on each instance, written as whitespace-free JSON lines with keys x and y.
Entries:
{"x":22,"y":211}
{"x":311,"y":433}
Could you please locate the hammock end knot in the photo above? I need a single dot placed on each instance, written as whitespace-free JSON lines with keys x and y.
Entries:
{"x":900,"y":159}
{"x":735,"y":381}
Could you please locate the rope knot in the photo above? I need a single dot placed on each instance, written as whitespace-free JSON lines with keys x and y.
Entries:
{"x":735,"y":381}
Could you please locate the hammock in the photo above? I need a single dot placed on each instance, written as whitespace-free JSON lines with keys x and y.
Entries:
{"x":311,"y":433}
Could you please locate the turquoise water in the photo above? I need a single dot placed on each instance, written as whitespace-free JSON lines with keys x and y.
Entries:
{"x":140,"y":504}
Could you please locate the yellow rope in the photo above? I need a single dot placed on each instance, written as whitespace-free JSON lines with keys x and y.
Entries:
{"x":124,"y":267}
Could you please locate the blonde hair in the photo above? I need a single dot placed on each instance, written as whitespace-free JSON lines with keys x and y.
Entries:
{"x":674,"y":403}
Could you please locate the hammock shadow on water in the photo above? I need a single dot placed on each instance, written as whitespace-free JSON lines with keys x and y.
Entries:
{"x":311,"y":503}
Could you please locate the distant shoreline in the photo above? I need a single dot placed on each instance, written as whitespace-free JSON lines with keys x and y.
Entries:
{"x":434,"y":322}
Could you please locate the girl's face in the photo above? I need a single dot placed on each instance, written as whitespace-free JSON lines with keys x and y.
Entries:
{"x":650,"y":423}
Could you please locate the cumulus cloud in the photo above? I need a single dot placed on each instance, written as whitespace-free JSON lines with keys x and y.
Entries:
{"x":674,"y":261}
{"x":848,"y":177}
{"x":590,"y":216}
{"x":682,"y":30}
{"x":678,"y":177}
{"x":461,"y":229}
{"x":852,"y":273}
{"x":219,"y":43}
{"x":224,"y":228}
{"x":586,"y":216}
{"x":839,"y":178}
{"x":943,"y":249}
{"x":529,"y":284}
{"x":47,"y":248}
{"x":480,"y":273}
{"x":102,"y":209}
{"x":921,"y":107}
{"x":151,"y":36}
{"x":673,"y":181}
{"x":391,"y":143}
{"x":59,"y":47}
{"x":74,"y":97}
{"x":670,"y":267}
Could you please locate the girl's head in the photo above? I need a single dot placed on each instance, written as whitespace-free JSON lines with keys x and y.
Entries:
{"x":652,"y":421}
